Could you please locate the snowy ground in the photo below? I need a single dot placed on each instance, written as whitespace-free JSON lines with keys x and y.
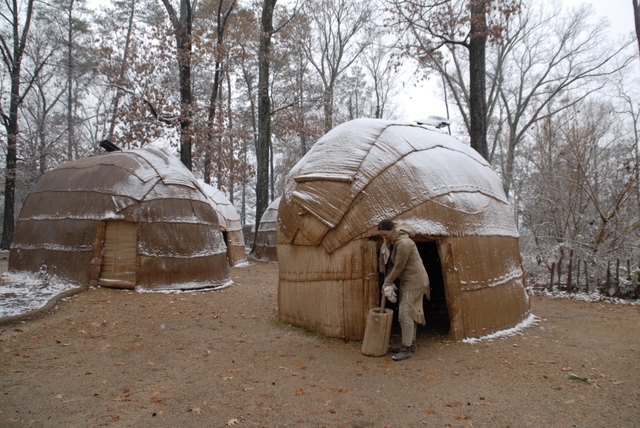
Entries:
{"x":24,"y":292}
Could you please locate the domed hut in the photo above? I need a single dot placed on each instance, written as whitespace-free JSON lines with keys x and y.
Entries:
{"x":230,"y":224}
{"x":366,"y":170}
{"x":266,"y":241}
{"x":122,"y":219}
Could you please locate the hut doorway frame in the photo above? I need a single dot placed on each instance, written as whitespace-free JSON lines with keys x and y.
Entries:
{"x":436,"y":310}
{"x":119,"y":255}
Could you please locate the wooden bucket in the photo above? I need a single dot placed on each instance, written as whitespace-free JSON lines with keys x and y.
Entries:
{"x":377,"y":331}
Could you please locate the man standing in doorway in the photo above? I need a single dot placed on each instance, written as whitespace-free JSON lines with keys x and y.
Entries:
{"x":414,"y":282}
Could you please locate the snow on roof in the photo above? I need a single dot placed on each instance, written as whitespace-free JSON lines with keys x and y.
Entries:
{"x":227,"y":214}
{"x":397,"y":157}
{"x":269,"y":219}
{"x":125,"y":178}
{"x":136,"y":175}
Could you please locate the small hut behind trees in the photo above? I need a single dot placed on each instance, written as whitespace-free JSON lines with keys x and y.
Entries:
{"x":366,"y":170}
{"x":230,"y":224}
{"x":266,"y":241}
{"x":122,"y":219}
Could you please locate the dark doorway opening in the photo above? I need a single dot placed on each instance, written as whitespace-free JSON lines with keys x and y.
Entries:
{"x":226,"y":244}
{"x":436,"y":312}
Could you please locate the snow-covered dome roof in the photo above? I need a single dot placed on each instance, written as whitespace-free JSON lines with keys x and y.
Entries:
{"x":366,"y":170}
{"x":269,"y":218}
{"x":227,"y":214}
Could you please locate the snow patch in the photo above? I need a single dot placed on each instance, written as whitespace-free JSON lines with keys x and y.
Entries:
{"x":243,"y":264}
{"x":187,"y":287}
{"x":528,"y":322}
{"x":24,"y":292}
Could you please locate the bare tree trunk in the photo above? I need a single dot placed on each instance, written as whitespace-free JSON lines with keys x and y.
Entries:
{"x":222,"y":17}
{"x":232,"y":162}
{"x":477,"y":82}
{"x":182,"y":28}
{"x":570,"y":273}
{"x":327,"y":102}
{"x":264,"y":113}
{"x":586,"y":278}
{"x":636,"y":17}
{"x":70,"y":99}
{"x":13,"y":51}
{"x":559,"y":267}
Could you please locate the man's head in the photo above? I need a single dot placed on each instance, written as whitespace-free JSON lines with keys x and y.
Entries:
{"x":386,"y":230}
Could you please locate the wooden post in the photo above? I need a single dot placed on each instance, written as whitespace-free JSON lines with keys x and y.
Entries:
{"x":628,"y":270}
{"x":616,"y":286}
{"x":607,"y":283}
{"x":569,"y":273}
{"x":559,"y":273}
{"x":578,"y":275}
{"x":553,"y":271}
{"x":586,"y":278}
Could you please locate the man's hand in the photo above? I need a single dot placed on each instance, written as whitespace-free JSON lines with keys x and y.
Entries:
{"x":389,"y":290}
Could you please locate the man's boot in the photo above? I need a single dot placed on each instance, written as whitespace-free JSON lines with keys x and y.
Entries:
{"x":397,"y":349}
{"x":405,"y":352}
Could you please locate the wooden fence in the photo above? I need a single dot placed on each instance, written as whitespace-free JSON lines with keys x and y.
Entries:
{"x":578,"y":276}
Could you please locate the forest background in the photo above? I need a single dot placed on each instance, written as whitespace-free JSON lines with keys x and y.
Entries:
{"x":241,"y":90}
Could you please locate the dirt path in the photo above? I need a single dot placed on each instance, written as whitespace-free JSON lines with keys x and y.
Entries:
{"x":117,"y":358}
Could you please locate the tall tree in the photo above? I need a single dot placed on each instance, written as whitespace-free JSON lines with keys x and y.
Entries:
{"x":338,"y":36}
{"x":43,"y":128}
{"x":377,"y":61}
{"x":264,"y":111}
{"x":297,"y":95}
{"x":182,"y":24}
{"x":73,"y":29}
{"x":129,"y":14}
{"x":222,"y":11}
{"x":433,"y":25}
{"x":477,"y":71}
{"x":17,"y":16}
{"x":636,"y":20}
{"x":136,"y":64}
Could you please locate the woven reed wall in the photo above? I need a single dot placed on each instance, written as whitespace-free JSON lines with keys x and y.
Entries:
{"x":484,"y":284}
{"x":161,"y":273}
{"x":174,"y":255}
{"x":328,"y":293}
{"x":266,"y":246}
{"x":236,"y":250}
{"x":75,"y":266}
{"x":62,"y":247}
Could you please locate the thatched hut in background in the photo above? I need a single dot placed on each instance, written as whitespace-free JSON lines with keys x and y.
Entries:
{"x":366,"y":170}
{"x":266,"y":241}
{"x":230,"y":224}
{"x":122,"y":219}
